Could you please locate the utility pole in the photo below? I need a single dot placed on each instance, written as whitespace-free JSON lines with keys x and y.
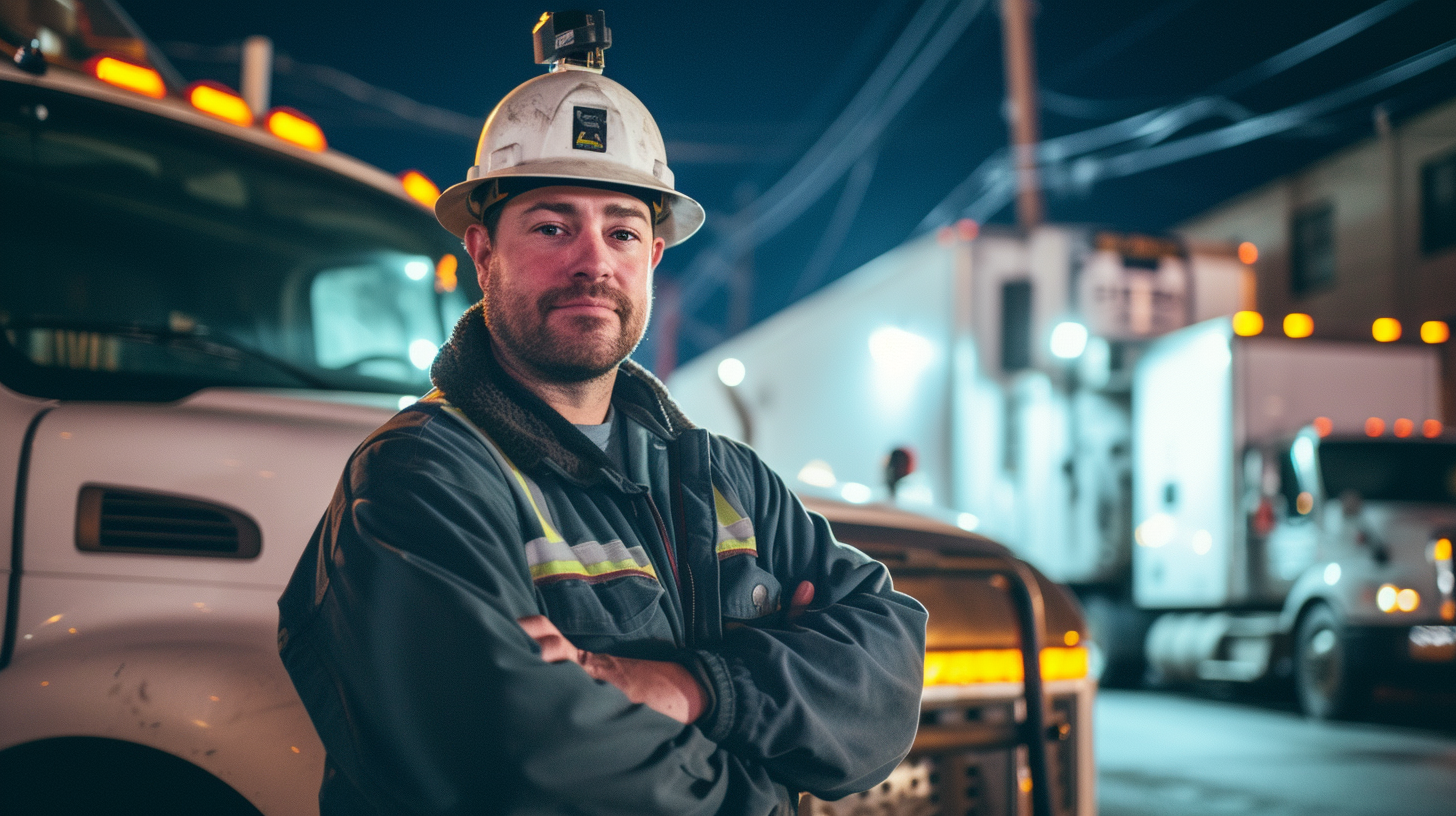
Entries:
{"x":1016,"y":45}
{"x":257,"y":73}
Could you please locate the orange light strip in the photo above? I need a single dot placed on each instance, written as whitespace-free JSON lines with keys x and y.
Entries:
{"x":295,"y":128}
{"x":129,"y":76}
{"x":970,"y":666}
{"x":419,"y":187}
{"x":217,"y":100}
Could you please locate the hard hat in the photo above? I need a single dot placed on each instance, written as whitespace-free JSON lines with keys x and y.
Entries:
{"x":575,"y":126}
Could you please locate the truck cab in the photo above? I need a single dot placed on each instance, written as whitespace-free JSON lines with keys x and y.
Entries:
{"x":199,"y":320}
{"x":1362,"y":545}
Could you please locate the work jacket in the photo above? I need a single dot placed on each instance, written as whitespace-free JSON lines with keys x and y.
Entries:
{"x":480,"y":505}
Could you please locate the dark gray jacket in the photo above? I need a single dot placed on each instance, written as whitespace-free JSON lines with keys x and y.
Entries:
{"x":481,"y":505}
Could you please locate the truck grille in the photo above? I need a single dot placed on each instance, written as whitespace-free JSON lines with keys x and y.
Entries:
{"x":131,"y":521}
{"x":941,"y":778}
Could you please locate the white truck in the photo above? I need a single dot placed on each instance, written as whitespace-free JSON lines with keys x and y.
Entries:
{"x":1002,"y":363}
{"x":1297,"y":500}
{"x":200,"y":318}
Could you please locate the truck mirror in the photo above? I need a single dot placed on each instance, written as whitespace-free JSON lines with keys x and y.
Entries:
{"x":1351,"y":503}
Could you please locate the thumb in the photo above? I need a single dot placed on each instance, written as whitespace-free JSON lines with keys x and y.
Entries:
{"x":803,"y":596}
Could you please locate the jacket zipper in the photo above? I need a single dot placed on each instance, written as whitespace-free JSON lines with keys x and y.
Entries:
{"x":675,"y":492}
{"x":688,"y":629}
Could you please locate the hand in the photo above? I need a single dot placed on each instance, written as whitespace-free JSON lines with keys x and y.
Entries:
{"x":803,"y":596}
{"x":662,"y":686}
{"x":555,"y":648}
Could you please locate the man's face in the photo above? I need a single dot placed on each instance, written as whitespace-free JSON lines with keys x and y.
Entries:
{"x":567,"y":280}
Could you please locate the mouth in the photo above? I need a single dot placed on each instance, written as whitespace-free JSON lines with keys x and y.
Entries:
{"x":585,"y":307}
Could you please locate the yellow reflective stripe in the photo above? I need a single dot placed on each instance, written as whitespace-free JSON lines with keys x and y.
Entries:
{"x":436,"y":395}
{"x":735,"y":533}
{"x":552,"y":569}
{"x":551,"y":534}
{"x":726,"y":514}
{"x":737,"y":545}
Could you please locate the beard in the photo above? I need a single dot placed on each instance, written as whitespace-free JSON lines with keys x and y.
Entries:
{"x":575,"y":349}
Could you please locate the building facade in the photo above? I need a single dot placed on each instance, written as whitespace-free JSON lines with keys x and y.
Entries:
{"x":1366,"y":233}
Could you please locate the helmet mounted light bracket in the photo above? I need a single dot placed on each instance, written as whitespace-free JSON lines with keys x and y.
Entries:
{"x":572,"y":40}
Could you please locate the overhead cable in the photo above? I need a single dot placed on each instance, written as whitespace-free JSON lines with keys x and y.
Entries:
{"x":862,"y":123}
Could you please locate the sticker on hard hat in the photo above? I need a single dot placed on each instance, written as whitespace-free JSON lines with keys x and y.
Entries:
{"x":590,"y":132}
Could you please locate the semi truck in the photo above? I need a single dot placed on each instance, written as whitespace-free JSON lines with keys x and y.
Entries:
{"x":1295,"y":501}
{"x":1001,"y":363}
{"x":203,"y":310}
{"x":1112,"y":408}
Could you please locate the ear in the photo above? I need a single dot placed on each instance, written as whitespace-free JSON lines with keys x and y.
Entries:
{"x":658,"y":245}
{"x":477,"y":245}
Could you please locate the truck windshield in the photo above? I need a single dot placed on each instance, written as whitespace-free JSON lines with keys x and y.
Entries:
{"x":1414,"y":471}
{"x":141,"y":258}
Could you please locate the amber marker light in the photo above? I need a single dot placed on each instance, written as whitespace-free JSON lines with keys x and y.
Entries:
{"x":419,"y":187}
{"x":1248,"y":324}
{"x":1385,"y":330}
{"x":128,"y":75}
{"x":1442,"y":550}
{"x":1298,"y":325}
{"x":1248,"y":253}
{"x":970,"y":666}
{"x":295,"y":128}
{"x":218,"y":100}
{"x":1402,"y":427}
{"x":1431,"y":428}
{"x":1323,"y":426}
{"x":1435,"y":331}
{"x":445,"y":274}
{"x":1374,"y":426}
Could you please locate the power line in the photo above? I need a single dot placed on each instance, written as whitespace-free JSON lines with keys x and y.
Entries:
{"x":861,"y":124}
{"x":985,"y":191}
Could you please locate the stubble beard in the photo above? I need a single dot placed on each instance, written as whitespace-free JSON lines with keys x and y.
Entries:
{"x":574,"y":350}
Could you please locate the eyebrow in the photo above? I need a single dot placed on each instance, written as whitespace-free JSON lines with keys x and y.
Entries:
{"x":567,"y":208}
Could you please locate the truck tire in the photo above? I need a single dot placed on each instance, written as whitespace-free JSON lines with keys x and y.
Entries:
{"x":1328,"y":676}
{"x":83,"y":776}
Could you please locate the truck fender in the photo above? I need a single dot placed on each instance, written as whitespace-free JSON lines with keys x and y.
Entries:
{"x":219,"y":700}
{"x":1311,"y":588}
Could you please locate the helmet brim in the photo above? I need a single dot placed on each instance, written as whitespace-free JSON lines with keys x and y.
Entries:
{"x":685,"y":216}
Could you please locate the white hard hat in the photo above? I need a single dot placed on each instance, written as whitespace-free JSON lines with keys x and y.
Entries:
{"x":576,"y":126}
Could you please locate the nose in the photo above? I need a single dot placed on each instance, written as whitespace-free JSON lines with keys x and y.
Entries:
{"x":591,"y":261}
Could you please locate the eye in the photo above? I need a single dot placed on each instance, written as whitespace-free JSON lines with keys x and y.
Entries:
{"x":623,"y":234}
{"x":550,"y":229}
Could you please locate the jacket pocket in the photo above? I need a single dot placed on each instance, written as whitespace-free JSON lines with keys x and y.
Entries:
{"x":747,"y":592}
{"x":593,"y":591}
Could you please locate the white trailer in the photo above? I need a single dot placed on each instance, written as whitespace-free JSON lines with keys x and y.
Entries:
{"x":1002,"y":360}
{"x":1292,"y":496}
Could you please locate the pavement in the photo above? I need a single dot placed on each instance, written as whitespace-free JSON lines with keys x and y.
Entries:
{"x":1162,"y":754}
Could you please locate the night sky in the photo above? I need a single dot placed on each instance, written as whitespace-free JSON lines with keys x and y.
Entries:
{"x":741,"y":91}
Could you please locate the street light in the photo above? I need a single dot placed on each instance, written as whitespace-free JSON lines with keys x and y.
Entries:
{"x":1069,"y":340}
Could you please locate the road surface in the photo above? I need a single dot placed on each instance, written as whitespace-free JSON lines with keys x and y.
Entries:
{"x":1170,"y":755}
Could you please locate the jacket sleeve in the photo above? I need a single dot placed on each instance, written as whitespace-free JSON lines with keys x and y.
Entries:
{"x":828,"y":702}
{"x":399,"y":632}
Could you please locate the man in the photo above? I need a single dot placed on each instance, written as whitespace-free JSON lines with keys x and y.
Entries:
{"x":541,"y":589}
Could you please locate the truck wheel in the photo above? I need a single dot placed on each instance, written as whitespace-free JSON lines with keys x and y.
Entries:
{"x":1327,"y":675}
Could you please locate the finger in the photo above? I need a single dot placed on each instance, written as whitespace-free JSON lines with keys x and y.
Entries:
{"x":803,"y":596}
{"x":554,"y":645}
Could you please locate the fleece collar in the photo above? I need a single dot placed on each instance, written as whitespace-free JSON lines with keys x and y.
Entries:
{"x":529,"y":432}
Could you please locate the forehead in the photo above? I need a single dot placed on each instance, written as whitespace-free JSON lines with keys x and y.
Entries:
{"x":580,"y":199}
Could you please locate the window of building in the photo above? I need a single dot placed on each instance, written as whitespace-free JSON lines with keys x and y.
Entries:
{"x":1312,"y":248}
{"x":1438,"y":204}
{"x":1015,"y":325}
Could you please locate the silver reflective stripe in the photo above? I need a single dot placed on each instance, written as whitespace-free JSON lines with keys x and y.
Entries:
{"x":555,"y":560}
